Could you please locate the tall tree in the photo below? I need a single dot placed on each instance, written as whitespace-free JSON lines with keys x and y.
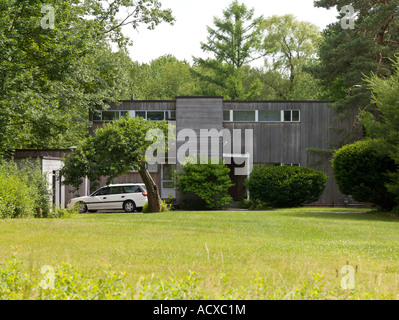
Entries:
{"x":162,"y":79}
{"x":348,"y":55}
{"x":234,"y":42}
{"x":54,"y":71}
{"x":290,"y":44}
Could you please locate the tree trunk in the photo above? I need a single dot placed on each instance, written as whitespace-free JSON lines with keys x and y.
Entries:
{"x":154,"y":199}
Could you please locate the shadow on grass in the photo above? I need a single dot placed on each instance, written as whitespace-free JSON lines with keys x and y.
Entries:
{"x":373,"y":215}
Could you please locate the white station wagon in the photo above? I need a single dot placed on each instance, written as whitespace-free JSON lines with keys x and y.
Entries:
{"x":128,"y":197}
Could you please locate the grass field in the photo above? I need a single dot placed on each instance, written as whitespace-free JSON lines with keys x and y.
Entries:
{"x":282,"y":254}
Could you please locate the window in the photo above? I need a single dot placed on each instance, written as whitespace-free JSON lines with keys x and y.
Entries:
{"x":141,"y":114}
{"x":156,"y":115}
{"x":150,"y":168}
{"x":101,"y":192}
{"x":117,"y":190}
{"x":244,"y":115}
{"x":168,"y":176}
{"x":226,"y":115}
{"x":97,"y":116}
{"x":110,"y":115}
{"x":170,"y":115}
{"x":133,"y":189}
{"x":291,"y":116}
{"x":269,"y":115}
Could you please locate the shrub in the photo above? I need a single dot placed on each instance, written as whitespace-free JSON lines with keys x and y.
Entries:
{"x":165,"y":207}
{"x":283,"y":187}
{"x":209,"y":182}
{"x":23,"y":190}
{"x":17,"y":198}
{"x":362,"y":172}
{"x":37,"y":180}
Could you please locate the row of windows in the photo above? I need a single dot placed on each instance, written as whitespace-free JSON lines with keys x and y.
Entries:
{"x":228,"y":115}
{"x":169,"y":169}
{"x":262,"y":116}
{"x":149,"y":115}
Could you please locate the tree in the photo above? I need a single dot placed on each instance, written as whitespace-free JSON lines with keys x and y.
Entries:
{"x":290,"y":44}
{"x":384,"y":124}
{"x":235,"y":42}
{"x":363,"y":173}
{"x":347,"y":56}
{"x":162,"y":79}
{"x":52,"y":75}
{"x":115,"y":150}
{"x":209,"y":182}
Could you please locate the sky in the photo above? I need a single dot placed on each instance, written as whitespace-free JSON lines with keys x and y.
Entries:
{"x":184,"y":38}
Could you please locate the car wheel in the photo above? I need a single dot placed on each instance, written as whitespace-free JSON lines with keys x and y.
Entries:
{"x":129,"y":206}
{"x":82,"y":207}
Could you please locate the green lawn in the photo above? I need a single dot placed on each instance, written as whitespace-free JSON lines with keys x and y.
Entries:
{"x":246,"y":254}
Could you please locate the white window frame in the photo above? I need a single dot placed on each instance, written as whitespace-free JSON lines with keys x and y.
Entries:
{"x":291,"y":111}
{"x":167,"y":114}
{"x":119,"y":115}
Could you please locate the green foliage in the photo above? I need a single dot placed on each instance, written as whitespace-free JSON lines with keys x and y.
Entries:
{"x":383,"y":124}
{"x":283,"y":187}
{"x":165,"y":207}
{"x":362,"y":173}
{"x":290,"y":44}
{"x":115,"y":150}
{"x":51,"y":78}
{"x":209,"y":182}
{"x":112,"y":151}
{"x":23,"y":191}
{"x":348,"y":56}
{"x":254,"y":204}
{"x":67,"y":282}
{"x":164,"y":78}
{"x":235,"y":42}
{"x":37,"y":180}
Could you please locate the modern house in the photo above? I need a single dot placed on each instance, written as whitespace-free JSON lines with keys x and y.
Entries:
{"x":247,"y":134}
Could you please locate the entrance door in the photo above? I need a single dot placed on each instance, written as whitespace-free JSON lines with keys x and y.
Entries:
{"x":168,"y":181}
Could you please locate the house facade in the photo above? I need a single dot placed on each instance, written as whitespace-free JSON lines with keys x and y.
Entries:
{"x":247,"y":134}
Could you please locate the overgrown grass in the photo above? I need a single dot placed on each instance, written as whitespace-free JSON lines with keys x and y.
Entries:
{"x":280,"y":254}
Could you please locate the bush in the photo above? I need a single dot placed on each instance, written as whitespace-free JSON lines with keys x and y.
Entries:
{"x":363,"y":173}
{"x":17,"y":198}
{"x":284,"y":187}
{"x":165,"y":207}
{"x":23,"y":191}
{"x":209,"y":182}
